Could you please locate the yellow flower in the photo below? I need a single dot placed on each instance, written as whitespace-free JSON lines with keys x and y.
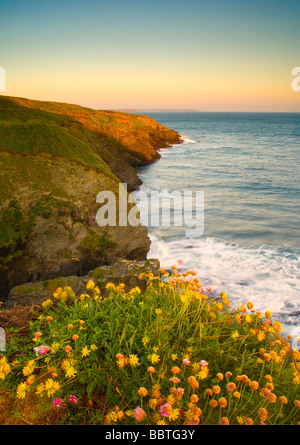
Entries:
{"x":224,"y":421}
{"x":155,"y":358}
{"x":5,"y":368}
{"x":216,"y":389}
{"x":194,"y":398}
{"x":213,"y":403}
{"x":268,"y":314}
{"x":161,"y":422}
{"x":203,"y":373}
{"x":283,"y":400}
{"x":94,"y":347}
{"x":171,"y":399}
{"x":29,"y":368}
{"x":46,"y":303}
{"x":110,"y":286}
{"x":51,"y":386}
{"x":54,"y":347}
{"x":249,"y":305}
{"x":235,"y":335}
{"x":143,"y":392}
{"x":277,"y":326}
{"x":85,"y":352}
{"x":174,"y":414}
{"x":220,"y":306}
{"x":145,"y":340}
{"x":261,"y":335}
{"x":193,"y":382}
{"x":40,"y":388}
{"x":71,"y":372}
{"x":90,"y":284}
{"x":153,"y":403}
{"x":133,"y":360}
{"x":248,"y":318}
{"x":254,"y":385}
{"x":272,"y":398}
{"x":174,"y":357}
{"x":21,"y":390}
{"x":263,"y":414}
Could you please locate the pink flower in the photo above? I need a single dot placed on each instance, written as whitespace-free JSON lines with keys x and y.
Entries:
{"x":68,"y":348}
{"x":139,"y":414}
{"x":38,"y":334}
{"x":179,"y":392}
{"x":174,"y":380}
{"x":44,"y":349}
{"x":56,"y":402}
{"x":72,"y":399}
{"x":165,"y":409}
{"x":186,"y":361}
{"x":208,"y":288}
{"x":203,"y":363}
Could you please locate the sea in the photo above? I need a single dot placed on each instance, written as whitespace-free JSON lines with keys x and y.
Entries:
{"x":246,"y":167}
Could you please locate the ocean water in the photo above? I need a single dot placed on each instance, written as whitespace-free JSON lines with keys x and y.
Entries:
{"x":248,"y":166}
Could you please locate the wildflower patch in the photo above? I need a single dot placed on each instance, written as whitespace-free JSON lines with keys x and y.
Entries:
{"x":170,"y":355}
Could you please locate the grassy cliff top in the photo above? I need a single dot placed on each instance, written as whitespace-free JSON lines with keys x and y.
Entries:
{"x":29,"y":130}
{"x":81,"y":134}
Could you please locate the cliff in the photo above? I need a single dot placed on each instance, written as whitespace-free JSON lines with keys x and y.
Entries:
{"x":54,"y":160}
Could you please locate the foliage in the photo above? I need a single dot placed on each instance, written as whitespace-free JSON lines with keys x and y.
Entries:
{"x":169,"y":355}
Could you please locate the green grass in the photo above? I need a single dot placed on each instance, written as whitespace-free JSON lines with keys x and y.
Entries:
{"x":169,"y":356}
{"x":26,"y":130}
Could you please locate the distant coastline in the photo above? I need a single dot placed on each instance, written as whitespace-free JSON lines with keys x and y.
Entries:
{"x":157,"y":110}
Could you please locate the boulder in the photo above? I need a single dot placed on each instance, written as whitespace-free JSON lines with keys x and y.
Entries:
{"x":123,"y":271}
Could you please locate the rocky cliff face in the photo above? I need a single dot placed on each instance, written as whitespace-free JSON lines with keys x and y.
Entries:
{"x":53,"y":162}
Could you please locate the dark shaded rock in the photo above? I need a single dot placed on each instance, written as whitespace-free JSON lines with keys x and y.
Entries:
{"x":123,"y":271}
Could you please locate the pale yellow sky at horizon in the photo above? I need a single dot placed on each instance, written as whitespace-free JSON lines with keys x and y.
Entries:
{"x":212,"y":57}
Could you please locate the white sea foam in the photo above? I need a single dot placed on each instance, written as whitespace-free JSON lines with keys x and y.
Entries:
{"x":268,"y":277}
{"x":187,"y":140}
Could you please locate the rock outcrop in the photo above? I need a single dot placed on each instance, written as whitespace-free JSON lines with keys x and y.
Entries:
{"x":54,"y":160}
{"x":123,"y":271}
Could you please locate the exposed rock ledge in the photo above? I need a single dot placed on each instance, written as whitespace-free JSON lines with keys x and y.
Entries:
{"x":123,"y":271}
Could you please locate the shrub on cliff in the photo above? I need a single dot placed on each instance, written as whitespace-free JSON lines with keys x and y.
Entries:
{"x":170,"y":355}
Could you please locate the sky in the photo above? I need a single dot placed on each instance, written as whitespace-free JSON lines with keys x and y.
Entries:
{"x":217,"y":55}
